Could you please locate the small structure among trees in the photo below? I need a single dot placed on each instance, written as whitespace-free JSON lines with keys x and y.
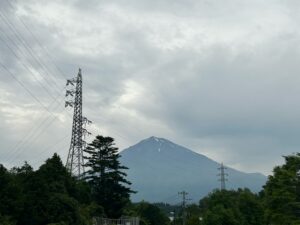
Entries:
{"x":121,"y":221}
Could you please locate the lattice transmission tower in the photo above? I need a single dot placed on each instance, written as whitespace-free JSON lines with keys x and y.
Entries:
{"x":183,"y":205}
{"x":75,"y":159}
{"x":223,"y":176}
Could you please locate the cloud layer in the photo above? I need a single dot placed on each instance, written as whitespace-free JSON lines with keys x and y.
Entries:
{"x":220,"y":78}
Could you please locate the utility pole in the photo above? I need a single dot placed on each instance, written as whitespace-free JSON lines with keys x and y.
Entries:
{"x":184,"y":199}
{"x":223,"y":176}
{"x":75,"y":160}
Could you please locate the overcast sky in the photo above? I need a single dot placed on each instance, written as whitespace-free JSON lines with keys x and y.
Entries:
{"x":219,"y":77}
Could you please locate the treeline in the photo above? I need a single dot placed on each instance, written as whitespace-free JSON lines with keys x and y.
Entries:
{"x":51,"y":195}
{"x":48,"y":195}
{"x":277,"y":204}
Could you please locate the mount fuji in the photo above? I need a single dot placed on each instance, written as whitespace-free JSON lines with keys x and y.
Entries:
{"x":159,"y":169}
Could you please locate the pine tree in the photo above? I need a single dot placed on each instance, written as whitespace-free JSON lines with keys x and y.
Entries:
{"x":106,"y":175}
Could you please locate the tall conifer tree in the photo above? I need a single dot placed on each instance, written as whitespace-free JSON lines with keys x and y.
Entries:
{"x":106,"y":175}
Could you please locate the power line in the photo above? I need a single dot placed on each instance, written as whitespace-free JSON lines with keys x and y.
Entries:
{"x":47,"y":53}
{"x":27,"y":47}
{"x":57,"y":143}
{"x":40,"y":63}
{"x":33,"y":137}
{"x":32,"y":134}
{"x":26,"y":67}
{"x":13,"y":42}
{"x":38,"y":42}
{"x":25,"y":88}
{"x":28,"y":52}
{"x":16,"y":148}
{"x":24,"y":43}
{"x":32,"y":130}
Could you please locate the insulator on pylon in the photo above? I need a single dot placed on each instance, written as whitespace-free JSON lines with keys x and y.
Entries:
{"x":71,"y":81}
{"x":86,"y":121}
{"x":85,"y":132}
{"x":68,"y":103}
{"x":84,"y":144}
{"x":70,"y":92}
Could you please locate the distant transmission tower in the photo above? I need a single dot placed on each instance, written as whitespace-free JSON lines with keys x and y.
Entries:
{"x":184,"y":200}
{"x":75,"y":156}
{"x":223,"y":176}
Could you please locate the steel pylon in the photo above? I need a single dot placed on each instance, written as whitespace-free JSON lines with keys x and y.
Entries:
{"x":75,"y":161}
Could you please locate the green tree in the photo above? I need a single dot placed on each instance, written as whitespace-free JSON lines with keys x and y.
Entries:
{"x":193,"y":213}
{"x":250,"y":207}
{"x":149,"y":214}
{"x":10,"y":196}
{"x":49,"y":196}
{"x":106,"y":176}
{"x":281,"y":193}
{"x":239,"y":207}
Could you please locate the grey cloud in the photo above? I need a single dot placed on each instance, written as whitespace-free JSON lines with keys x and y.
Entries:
{"x":219,"y":78}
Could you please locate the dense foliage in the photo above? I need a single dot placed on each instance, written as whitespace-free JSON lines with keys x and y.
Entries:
{"x":48,"y":195}
{"x":277,"y":204}
{"x":282,"y":193}
{"x":239,"y":207}
{"x":149,"y":214}
{"x":51,"y":195}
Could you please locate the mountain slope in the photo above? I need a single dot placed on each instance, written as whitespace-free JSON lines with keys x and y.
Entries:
{"x":159,"y":169}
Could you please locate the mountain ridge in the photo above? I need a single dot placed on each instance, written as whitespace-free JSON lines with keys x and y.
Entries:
{"x":158,"y":166}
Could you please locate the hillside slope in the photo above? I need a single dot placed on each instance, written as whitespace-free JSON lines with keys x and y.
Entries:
{"x":159,"y":169}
